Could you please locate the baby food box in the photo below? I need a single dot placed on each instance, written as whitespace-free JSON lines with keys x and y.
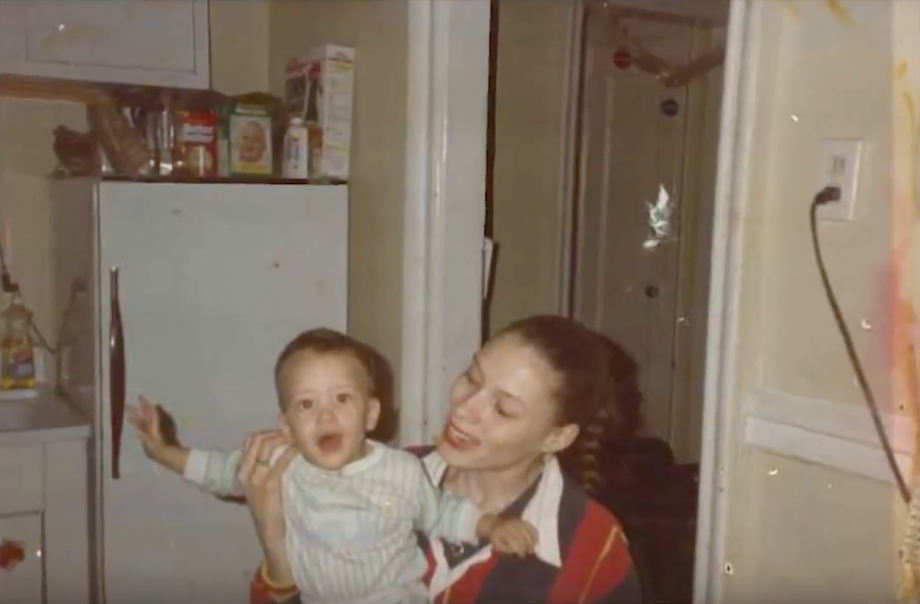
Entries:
{"x":250,"y":132}
{"x":320,"y":89}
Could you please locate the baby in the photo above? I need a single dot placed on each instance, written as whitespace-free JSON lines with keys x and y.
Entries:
{"x":352,"y":505}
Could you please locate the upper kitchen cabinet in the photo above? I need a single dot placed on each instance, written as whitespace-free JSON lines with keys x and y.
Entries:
{"x":146,"y":42}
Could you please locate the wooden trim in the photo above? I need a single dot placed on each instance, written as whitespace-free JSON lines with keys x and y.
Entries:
{"x":659,"y":16}
{"x":446,"y":117}
{"x":488,"y":223}
{"x":722,"y":342}
{"x":693,"y":212}
{"x":494,"y":12}
{"x":25,"y":87}
{"x":571,"y":156}
{"x":837,"y":435}
{"x":688,"y":12}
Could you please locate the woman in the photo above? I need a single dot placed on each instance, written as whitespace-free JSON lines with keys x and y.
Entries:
{"x":535,"y":399}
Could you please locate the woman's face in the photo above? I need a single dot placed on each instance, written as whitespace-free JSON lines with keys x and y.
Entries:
{"x":503,"y":410}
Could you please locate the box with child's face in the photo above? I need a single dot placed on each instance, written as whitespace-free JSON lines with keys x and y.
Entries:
{"x":250,"y":142}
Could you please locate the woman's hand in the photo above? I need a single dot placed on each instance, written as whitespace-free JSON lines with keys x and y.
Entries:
{"x":261,"y":484}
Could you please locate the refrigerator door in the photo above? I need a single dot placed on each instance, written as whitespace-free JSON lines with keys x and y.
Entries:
{"x":213,"y":280}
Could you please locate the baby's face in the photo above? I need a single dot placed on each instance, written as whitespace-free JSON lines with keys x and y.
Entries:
{"x":251,"y":142}
{"x":327,"y":407}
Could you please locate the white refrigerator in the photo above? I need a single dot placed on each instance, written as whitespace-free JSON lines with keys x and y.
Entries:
{"x":210,"y":281}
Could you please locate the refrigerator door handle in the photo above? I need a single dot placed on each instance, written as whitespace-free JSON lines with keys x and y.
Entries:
{"x":116,"y":372}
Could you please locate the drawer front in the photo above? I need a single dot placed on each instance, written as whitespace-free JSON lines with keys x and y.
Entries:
{"x":21,"y":479}
{"x":21,"y":581}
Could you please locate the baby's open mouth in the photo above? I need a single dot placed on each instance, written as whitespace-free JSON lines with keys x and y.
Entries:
{"x":330,"y":443}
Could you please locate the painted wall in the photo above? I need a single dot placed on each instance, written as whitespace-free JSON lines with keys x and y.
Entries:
{"x":378,"y":32}
{"x":797,"y":531}
{"x":530,"y":94}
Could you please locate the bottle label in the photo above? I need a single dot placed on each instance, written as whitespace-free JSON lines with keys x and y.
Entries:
{"x":22,"y":370}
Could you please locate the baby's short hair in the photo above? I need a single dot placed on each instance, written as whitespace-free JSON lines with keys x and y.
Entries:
{"x":330,"y":341}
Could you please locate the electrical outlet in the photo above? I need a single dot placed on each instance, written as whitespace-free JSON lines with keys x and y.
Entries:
{"x":839,"y":167}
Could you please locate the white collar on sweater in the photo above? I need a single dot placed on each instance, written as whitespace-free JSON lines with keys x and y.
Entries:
{"x":542,"y":510}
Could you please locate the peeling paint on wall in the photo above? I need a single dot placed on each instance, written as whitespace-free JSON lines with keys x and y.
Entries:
{"x":905,"y":293}
{"x":839,"y":11}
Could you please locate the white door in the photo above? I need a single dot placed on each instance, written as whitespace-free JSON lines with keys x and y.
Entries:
{"x":635,"y":133}
{"x":163,"y":43}
{"x":214,"y":280}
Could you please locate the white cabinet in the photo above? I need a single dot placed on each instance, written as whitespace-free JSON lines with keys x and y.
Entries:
{"x":45,"y":512}
{"x":148,"y":42}
{"x":22,"y":582}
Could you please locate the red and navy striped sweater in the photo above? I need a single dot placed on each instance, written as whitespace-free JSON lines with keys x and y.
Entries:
{"x":582,"y":555}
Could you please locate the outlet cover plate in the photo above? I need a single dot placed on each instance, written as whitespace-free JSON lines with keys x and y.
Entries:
{"x":838,"y":165}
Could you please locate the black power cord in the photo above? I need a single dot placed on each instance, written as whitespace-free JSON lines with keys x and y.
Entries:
{"x":826,"y":196}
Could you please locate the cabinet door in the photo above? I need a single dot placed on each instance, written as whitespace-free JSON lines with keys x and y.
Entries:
{"x":151,"y":42}
{"x":21,"y":583}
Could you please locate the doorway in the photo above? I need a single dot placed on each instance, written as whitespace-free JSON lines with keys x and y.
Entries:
{"x":637,"y":254}
{"x":639,"y":112}
{"x":642,"y":205}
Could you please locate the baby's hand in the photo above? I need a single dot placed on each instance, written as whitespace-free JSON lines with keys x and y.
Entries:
{"x":509,"y":535}
{"x":145,"y":418}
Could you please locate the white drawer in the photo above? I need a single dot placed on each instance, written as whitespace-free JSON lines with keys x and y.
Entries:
{"x":21,"y":479}
{"x":22,"y":584}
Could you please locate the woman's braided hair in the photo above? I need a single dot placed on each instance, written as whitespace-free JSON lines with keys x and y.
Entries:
{"x":591,"y":374}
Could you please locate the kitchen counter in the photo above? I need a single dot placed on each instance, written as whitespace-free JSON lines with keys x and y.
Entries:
{"x":45,"y":419}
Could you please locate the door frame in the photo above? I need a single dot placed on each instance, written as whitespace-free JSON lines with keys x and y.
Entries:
{"x":446,"y":135}
{"x":570,"y":166}
{"x":720,"y":427}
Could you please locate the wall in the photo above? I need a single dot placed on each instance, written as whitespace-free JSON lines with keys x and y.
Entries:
{"x":799,"y":531}
{"x":533,"y":45}
{"x":377,"y":30}
{"x":239,"y":37}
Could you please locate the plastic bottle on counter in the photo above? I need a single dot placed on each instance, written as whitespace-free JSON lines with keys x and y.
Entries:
{"x":296,"y":150}
{"x":17,"y":350}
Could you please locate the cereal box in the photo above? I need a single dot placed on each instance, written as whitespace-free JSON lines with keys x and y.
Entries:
{"x":250,"y":141}
{"x":320,"y":90}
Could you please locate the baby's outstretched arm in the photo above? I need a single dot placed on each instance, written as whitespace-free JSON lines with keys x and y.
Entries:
{"x":442,"y":514}
{"x":146,"y":418}
{"x":453,"y":518}
{"x":213,"y":471}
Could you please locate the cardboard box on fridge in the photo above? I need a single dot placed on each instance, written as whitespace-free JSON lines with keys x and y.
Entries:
{"x":320,"y":89}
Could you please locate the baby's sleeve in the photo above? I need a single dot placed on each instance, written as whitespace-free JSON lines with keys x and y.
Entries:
{"x":214,"y":471}
{"x":444,"y":515}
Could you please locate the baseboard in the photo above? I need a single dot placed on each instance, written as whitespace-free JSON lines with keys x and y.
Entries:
{"x":836,"y":435}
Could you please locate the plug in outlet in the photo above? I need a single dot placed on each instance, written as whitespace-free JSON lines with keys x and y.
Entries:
{"x":839,"y":167}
